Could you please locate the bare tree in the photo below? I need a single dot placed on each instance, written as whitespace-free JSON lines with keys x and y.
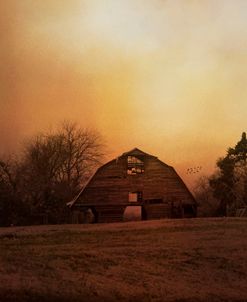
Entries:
{"x":82,"y":151}
{"x":50,"y":172}
{"x":8,"y":175}
{"x":55,"y":165}
{"x":12,"y":208}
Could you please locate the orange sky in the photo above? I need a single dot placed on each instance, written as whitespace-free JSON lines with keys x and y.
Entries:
{"x":168,"y":77}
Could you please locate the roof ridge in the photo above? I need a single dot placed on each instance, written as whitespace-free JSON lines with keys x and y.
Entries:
{"x":136,"y":149}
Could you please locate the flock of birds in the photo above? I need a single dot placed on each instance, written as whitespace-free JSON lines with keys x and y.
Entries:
{"x":194,"y":170}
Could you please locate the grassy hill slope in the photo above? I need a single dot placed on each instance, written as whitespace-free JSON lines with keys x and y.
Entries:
{"x":166,"y":260}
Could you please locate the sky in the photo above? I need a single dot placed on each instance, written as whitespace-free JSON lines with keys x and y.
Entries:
{"x":166,"y":76}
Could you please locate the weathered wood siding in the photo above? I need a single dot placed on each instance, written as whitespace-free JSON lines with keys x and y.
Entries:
{"x":156,"y":211}
{"x":111,"y":185}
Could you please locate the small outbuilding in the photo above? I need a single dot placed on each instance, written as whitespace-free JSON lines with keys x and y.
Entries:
{"x":134,"y":179}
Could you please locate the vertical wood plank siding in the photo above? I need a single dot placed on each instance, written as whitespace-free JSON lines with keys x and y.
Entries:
{"x":163,"y":191}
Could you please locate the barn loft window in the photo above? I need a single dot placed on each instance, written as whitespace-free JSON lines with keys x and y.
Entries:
{"x":135,"y":165}
{"x":135,"y":196}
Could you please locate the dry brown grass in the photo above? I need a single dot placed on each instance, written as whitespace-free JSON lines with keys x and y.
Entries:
{"x":167,"y":260}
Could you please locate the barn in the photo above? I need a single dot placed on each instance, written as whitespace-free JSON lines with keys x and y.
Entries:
{"x":134,"y":179}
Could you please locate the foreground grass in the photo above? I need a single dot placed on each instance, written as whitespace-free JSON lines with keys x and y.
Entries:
{"x":166,"y":260}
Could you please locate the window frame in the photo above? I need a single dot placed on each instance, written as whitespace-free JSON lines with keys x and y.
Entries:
{"x":135,"y":165}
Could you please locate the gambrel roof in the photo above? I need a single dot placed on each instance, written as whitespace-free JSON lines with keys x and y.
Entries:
{"x":135,"y":153}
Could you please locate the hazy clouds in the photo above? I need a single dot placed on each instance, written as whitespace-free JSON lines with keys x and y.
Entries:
{"x":167,"y":76}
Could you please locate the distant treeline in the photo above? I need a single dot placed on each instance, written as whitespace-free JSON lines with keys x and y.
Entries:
{"x":224,"y":192}
{"x":51,"y":169}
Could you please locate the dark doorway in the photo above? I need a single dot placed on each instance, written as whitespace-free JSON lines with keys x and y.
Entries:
{"x":189,"y":211}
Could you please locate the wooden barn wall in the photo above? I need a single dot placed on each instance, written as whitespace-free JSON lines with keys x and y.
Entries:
{"x":111,"y":184}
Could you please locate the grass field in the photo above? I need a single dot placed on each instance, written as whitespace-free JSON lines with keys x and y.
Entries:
{"x":166,"y":260}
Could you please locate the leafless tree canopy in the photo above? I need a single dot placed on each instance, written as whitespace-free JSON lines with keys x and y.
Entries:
{"x":53,"y":168}
{"x":67,"y":156}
